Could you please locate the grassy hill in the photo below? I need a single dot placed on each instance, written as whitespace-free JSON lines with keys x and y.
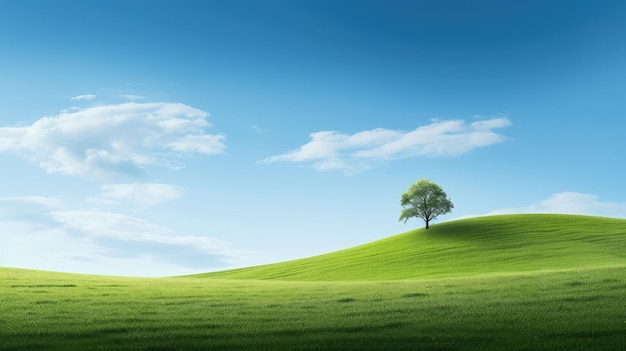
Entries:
{"x":468,"y":247}
{"x":532,"y":282}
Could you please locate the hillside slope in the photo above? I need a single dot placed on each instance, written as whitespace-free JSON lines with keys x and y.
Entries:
{"x":468,"y":247}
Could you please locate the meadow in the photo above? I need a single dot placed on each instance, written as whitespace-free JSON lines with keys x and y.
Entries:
{"x":533,"y":308}
{"x":463,"y":248}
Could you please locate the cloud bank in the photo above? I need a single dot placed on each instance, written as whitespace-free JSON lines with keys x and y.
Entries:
{"x":112,"y":139}
{"x":571,"y":203}
{"x":330,"y":150}
{"x":44,"y":225}
{"x":142,"y":194}
{"x":121,"y":235}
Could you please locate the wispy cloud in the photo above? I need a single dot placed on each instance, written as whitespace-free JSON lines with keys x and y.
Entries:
{"x":130,"y":237}
{"x":142,"y":194}
{"x":44,"y":227}
{"x":329,"y":150}
{"x":43,"y":201}
{"x":571,"y":203}
{"x":204,"y":144}
{"x":29,"y":211}
{"x":257,"y":129}
{"x":123,"y":227}
{"x":83,"y":97}
{"x":112,"y":139}
{"x":132,"y":97}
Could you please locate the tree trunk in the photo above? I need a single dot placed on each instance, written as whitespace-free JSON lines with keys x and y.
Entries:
{"x":427,"y":224}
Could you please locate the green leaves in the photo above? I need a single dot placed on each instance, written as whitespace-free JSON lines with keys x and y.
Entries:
{"x":425,"y":200}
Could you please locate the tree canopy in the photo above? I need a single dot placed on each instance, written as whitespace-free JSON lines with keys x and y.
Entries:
{"x":425,"y":200}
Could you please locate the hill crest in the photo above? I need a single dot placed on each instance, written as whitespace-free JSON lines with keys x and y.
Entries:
{"x":466,"y":247}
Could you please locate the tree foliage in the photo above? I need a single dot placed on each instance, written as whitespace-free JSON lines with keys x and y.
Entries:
{"x":425,"y":200}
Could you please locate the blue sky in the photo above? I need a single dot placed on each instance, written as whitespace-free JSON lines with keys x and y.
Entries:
{"x":156,"y":138}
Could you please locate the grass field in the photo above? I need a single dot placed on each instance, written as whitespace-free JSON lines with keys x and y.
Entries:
{"x":523,"y":306}
{"x":469,"y":247}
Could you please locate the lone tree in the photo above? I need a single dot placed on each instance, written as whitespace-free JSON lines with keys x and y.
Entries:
{"x":425,"y":200}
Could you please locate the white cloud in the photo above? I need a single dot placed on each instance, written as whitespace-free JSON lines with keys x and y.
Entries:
{"x":353,"y":153}
{"x":127,"y":228}
{"x":112,"y":139}
{"x":83,"y":97}
{"x":146,"y":194}
{"x":28,"y":211}
{"x":71,"y":109}
{"x":42,"y":201}
{"x":38,"y":233}
{"x":204,"y":144}
{"x":124,"y":235}
{"x":571,"y":203}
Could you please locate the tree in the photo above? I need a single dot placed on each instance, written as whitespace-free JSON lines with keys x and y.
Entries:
{"x":425,"y":200}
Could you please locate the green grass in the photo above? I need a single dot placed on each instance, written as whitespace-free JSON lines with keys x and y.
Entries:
{"x":494,"y":283}
{"x":484,"y":245}
{"x":565,"y":310}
